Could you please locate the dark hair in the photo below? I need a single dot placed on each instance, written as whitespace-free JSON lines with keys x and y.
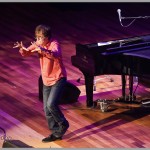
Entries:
{"x":46,"y":30}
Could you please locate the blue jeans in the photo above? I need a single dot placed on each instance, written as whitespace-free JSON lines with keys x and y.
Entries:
{"x":54,"y":116}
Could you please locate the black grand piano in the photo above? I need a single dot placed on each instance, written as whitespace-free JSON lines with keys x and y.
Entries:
{"x":129,"y":56}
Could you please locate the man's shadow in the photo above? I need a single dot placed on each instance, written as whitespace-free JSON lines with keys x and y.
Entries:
{"x":111,"y":122}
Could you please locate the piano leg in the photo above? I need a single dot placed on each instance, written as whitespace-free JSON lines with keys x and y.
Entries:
{"x":132,"y":97}
{"x":89,"y":89}
{"x":123,"y":77}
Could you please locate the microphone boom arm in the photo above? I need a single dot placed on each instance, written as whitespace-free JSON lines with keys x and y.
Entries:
{"x":139,"y":17}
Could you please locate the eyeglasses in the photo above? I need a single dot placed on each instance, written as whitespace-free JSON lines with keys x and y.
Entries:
{"x":39,"y":37}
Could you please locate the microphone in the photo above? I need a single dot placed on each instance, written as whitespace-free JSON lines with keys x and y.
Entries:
{"x":119,"y":13}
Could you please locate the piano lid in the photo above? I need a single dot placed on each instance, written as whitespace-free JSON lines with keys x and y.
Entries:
{"x":121,"y":42}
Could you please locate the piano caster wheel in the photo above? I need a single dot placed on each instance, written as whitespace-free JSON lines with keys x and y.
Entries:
{"x":89,"y":104}
{"x":94,"y":104}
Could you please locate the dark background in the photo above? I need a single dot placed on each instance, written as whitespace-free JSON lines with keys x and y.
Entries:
{"x":90,"y":22}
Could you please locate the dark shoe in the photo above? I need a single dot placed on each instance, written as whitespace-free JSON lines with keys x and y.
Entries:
{"x":51,"y":138}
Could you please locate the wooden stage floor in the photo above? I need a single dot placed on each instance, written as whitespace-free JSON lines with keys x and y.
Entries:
{"x":21,"y":112}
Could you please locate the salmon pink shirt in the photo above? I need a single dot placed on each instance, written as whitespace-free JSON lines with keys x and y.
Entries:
{"x":52,"y":68}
